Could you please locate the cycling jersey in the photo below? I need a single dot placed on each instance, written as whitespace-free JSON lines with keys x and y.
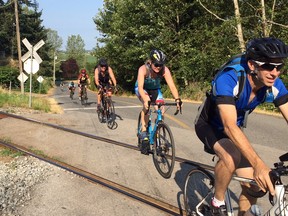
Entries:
{"x":151,"y":83}
{"x":103,"y":78}
{"x":83,"y":79}
{"x":225,"y":87}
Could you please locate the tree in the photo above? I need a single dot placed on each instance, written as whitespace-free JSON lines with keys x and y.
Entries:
{"x":76,"y":49}
{"x":54,"y":40}
{"x":69,"y":68}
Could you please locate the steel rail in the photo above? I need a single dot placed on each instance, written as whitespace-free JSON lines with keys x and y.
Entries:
{"x":161,"y":205}
{"x":131,"y":146}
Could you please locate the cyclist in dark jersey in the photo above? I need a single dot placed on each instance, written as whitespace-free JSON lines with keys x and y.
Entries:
{"x":147,"y":86}
{"x":220,"y":120}
{"x":83,"y":79}
{"x":104,"y":78}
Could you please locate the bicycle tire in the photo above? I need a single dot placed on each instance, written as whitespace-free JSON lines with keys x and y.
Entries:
{"x":139,"y":127}
{"x":110,"y":113}
{"x":84,"y":96}
{"x":164,"y":150}
{"x":198,"y":187}
{"x":71,"y":94}
{"x":100,"y":114}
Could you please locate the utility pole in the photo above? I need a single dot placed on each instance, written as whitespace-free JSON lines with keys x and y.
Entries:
{"x":18,"y":43}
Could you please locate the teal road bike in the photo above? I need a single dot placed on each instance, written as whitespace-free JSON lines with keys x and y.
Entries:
{"x":160,"y":141}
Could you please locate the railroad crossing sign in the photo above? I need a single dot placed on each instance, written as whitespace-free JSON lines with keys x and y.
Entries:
{"x":22,"y":77}
{"x":32,"y":50}
{"x":40,"y":79}
{"x":31,"y":65}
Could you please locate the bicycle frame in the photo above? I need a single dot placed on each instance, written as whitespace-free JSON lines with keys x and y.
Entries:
{"x":280,"y":207}
{"x":152,"y":130}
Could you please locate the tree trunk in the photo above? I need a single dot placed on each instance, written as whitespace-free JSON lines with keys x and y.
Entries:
{"x":239,"y":26}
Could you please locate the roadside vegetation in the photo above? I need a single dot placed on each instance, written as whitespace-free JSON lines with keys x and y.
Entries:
{"x":16,"y":99}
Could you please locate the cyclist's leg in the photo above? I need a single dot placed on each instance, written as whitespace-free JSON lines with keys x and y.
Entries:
{"x":229,"y":157}
{"x":245,"y":200}
{"x":144,"y":118}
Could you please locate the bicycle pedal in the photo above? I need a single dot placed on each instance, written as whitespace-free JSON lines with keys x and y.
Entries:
{"x":145,"y":147}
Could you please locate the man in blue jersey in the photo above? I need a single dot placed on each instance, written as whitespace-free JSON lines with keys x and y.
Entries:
{"x":220,"y":121}
{"x":148,"y":88}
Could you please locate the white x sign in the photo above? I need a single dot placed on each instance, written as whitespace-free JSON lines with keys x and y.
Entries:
{"x":35,"y":48}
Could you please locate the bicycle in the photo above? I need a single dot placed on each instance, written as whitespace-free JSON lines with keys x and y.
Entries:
{"x":72,"y":91}
{"x":107,"y":110}
{"x":199,"y":189}
{"x":160,"y":139}
{"x":83,"y":94}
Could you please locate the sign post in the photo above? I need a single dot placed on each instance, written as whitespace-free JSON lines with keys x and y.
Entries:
{"x":31,"y":65}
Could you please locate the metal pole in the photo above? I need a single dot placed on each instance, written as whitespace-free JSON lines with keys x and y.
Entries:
{"x":30,"y":96}
{"x":18,"y":43}
{"x":54,"y":57}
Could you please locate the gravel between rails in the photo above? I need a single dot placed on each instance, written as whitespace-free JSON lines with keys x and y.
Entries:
{"x":17,"y":179}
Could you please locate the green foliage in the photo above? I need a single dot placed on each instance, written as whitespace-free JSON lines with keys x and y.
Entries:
{"x":9,"y":75}
{"x":75,"y":49}
{"x":195,"y":40}
{"x":16,"y":99}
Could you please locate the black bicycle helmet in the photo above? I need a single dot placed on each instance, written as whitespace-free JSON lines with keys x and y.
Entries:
{"x":157,"y":56}
{"x":263,"y":49}
{"x":102,"y":62}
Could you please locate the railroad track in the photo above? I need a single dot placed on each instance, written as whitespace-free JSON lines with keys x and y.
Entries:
{"x":161,"y":205}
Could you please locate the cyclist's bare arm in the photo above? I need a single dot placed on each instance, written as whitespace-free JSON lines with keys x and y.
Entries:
{"x":284,"y":110}
{"x":111,"y":74}
{"x":96,"y":77}
{"x":171,"y":84}
{"x":261,"y":171}
{"x":140,"y":79}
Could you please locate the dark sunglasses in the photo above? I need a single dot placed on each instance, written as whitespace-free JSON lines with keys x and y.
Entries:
{"x":270,"y":66}
{"x":103,"y":65}
{"x":158,"y":65}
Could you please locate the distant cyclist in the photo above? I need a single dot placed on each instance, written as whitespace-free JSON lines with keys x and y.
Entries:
{"x":147,"y":86}
{"x":83,"y":80}
{"x":104,"y":78}
{"x":71,"y":87}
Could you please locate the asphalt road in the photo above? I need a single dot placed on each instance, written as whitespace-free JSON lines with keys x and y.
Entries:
{"x":267,"y":134}
{"x":266,"y":130}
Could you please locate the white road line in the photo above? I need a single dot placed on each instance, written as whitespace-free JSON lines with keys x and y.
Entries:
{"x":94,"y":108}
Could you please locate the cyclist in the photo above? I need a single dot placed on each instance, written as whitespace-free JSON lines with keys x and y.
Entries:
{"x":147,"y":86}
{"x":71,"y":86}
{"x":220,"y":121}
{"x":62,"y":86}
{"x":83,"y":80}
{"x":104,"y":78}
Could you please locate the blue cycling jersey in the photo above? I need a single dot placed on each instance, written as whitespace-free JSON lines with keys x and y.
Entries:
{"x":226,"y":87}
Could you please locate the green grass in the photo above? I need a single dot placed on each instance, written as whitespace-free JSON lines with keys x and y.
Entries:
{"x":9,"y":152}
{"x":16,"y":99}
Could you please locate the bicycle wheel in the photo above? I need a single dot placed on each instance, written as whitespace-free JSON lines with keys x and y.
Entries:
{"x":84,"y":96}
{"x":139,"y":127}
{"x":198,"y":192}
{"x":164,"y":150}
{"x":110,"y":113}
{"x":71,"y":94}
{"x":100,"y":113}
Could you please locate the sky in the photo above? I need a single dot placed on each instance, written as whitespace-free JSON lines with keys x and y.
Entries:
{"x":68,"y":18}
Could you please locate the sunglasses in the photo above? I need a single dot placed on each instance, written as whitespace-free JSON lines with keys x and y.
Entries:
{"x":158,"y":65}
{"x":270,"y":66}
{"x":103,"y":65}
